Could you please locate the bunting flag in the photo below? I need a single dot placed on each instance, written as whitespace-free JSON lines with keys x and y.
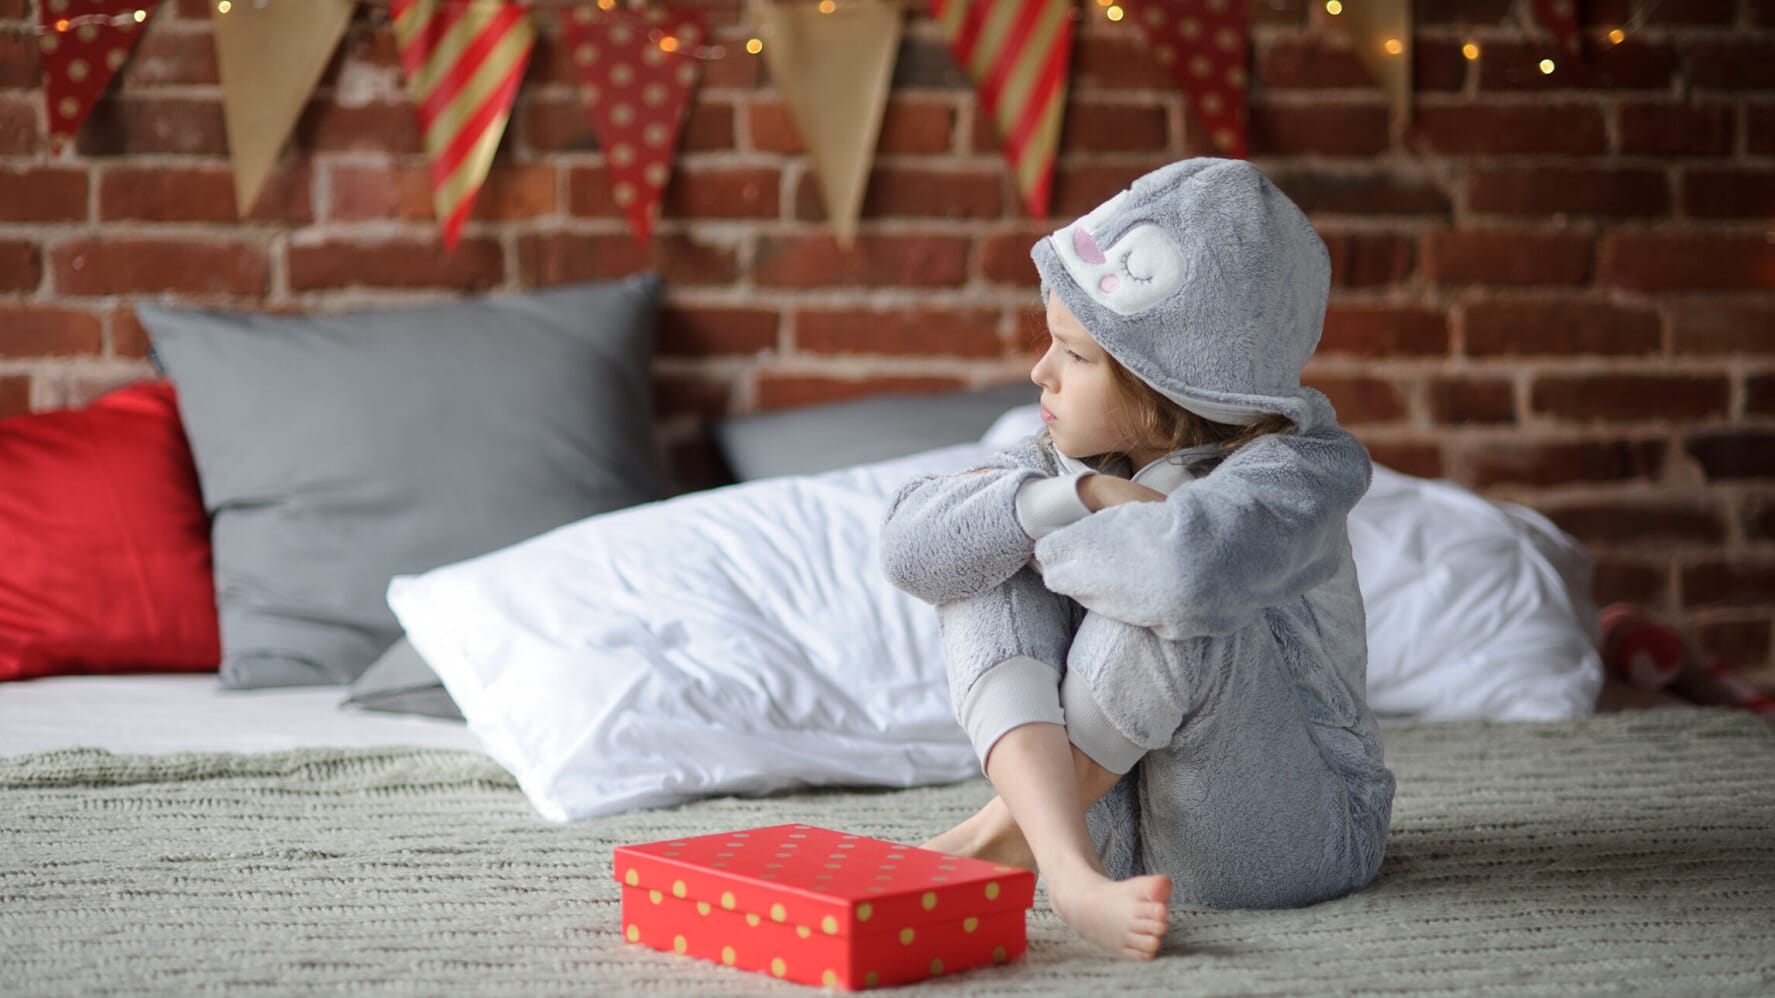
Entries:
{"x":463,"y":62}
{"x":1016,"y":52}
{"x":834,"y":72}
{"x":1380,"y":31}
{"x":1203,"y":44}
{"x":1561,"y":18}
{"x":270,"y":57}
{"x":80,"y":59}
{"x":638,"y":72}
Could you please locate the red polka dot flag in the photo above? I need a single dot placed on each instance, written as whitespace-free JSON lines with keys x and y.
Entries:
{"x":638,"y":72}
{"x":1561,"y":18}
{"x":1203,"y":44}
{"x":79,"y":59}
{"x":1016,"y":52}
{"x":463,"y":62}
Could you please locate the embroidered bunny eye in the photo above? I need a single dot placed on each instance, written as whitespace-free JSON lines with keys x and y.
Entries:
{"x":1132,"y":276}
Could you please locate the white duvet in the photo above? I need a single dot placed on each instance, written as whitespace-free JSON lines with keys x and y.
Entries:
{"x":742,"y":640}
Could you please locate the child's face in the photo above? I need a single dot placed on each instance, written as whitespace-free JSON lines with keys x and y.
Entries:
{"x":1081,"y":405}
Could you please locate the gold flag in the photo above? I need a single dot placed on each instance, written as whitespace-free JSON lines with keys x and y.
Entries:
{"x":270,"y":57}
{"x":1380,"y":30}
{"x":834,"y":70}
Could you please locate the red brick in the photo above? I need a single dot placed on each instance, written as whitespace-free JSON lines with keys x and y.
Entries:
{"x":163,"y":57}
{"x":1740,"y":582}
{"x":917,"y":127}
{"x":1759,"y":127}
{"x":1678,"y":129}
{"x":1628,"y":579}
{"x":787,"y":391}
{"x":910,"y":192}
{"x":1759,"y":395}
{"x":103,"y":266}
{"x":1438,"y":66}
{"x":386,"y":129}
{"x":1374,"y":192}
{"x":134,"y":126}
{"x":1100,"y":127}
{"x":1626,"y":398}
{"x":1613,"y":12}
{"x":1632,"y":65}
{"x":1310,"y":62}
{"x":771,"y":129}
{"x":817,"y":261}
{"x":1741,"y":644}
{"x":1734,"y":454}
{"x":1509,"y":129}
{"x":734,"y":192}
{"x":694,"y":465}
{"x":1384,"y":331}
{"x":1318,"y":129}
{"x":1748,"y":194}
{"x":1563,"y":190}
{"x":1640,"y":522}
{"x":387,"y":192}
{"x":1360,"y":400}
{"x":1004,"y":257}
{"x":1289,"y":13}
{"x":1564,"y":328}
{"x":1734,"y":64}
{"x":174,"y":194}
{"x":21,"y":265}
{"x":14,"y":10}
{"x":708,"y":127}
{"x":515,"y":191}
{"x":20,"y":134}
{"x":1082,"y":187}
{"x":33,"y":331}
{"x":1759,"y":519}
{"x":1658,"y":261}
{"x":395,"y":263}
{"x":919,"y":332}
{"x":15,"y":396}
{"x":588,"y":193}
{"x":1118,"y":60}
{"x":561,"y":258}
{"x":128,"y":337}
{"x":1722,"y":326}
{"x":1462,"y":12}
{"x":706,"y":331}
{"x":21,"y":64}
{"x":1457,"y":401}
{"x":1762,"y":12}
{"x":1521,"y":462}
{"x":1422,"y":460}
{"x":43,"y":194}
{"x":690,"y":394}
{"x":1369,"y":259}
{"x":547,"y":123}
{"x":1507,"y":257}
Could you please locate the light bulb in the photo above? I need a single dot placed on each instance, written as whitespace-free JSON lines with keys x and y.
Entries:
{"x":1333,"y":8}
{"x":1617,"y":36}
{"x":1547,"y":67}
{"x":1470,"y":50}
{"x":754,"y":46}
{"x":1393,"y":46}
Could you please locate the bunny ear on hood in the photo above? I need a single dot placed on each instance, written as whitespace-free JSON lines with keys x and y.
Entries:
{"x":1207,"y":283}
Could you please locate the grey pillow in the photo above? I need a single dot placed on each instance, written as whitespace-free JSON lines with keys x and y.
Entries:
{"x":817,"y":438}
{"x":337,"y":451}
{"x":400,"y":682}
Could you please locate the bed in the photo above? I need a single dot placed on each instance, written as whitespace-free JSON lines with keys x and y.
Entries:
{"x":164,"y":835}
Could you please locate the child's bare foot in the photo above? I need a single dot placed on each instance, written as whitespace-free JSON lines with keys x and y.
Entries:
{"x":989,"y":834}
{"x":1126,"y":917}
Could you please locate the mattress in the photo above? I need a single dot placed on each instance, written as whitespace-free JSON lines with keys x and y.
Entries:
{"x":153,"y":714}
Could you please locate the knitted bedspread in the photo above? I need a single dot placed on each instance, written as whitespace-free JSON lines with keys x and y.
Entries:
{"x":1630,"y":853}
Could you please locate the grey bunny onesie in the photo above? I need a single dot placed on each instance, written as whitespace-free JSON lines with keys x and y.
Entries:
{"x":1211,"y":647}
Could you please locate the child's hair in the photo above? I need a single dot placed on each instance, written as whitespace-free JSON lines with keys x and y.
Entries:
{"x":1158,"y":422}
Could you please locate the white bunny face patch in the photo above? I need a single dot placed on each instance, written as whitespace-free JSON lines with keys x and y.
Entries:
{"x":1140,"y":269}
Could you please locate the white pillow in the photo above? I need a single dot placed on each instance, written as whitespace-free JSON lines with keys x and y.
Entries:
{"x":740,"y":640}
{"x":743,"y":640}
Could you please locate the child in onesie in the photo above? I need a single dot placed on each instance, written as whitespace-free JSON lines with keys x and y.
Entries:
{"x":1153,"y":632}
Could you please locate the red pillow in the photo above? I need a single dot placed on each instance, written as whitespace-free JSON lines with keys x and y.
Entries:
{"x":104,"y":543}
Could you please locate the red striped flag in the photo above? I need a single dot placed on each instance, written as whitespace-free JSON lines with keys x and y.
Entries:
{"x":1016,"y":52}
{"x":463,"y":62}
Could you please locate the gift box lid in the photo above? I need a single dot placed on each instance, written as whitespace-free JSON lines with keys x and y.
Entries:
{"x":839,"y":883}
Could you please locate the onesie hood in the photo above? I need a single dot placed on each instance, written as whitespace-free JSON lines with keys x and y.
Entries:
{"x":1206,"y":282}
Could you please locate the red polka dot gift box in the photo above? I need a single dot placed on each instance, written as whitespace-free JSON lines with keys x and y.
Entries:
{"x":822,"y":907}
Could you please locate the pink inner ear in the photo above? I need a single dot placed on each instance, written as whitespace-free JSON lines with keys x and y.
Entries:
{"x":1109,"y":284}
{"x":1085,"y":246}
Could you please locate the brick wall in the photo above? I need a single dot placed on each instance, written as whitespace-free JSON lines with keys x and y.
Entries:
{"x":1557,"y":289}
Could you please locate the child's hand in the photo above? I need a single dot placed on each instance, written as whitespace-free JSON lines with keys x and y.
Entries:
{"x":1103,"y":491}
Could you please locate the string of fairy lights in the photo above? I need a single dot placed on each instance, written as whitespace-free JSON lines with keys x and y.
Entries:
{"x":1112,"y":10}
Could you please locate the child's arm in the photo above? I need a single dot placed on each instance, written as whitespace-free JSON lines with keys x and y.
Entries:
{"x":950,"y":537}
{"x":1266,"y":525}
